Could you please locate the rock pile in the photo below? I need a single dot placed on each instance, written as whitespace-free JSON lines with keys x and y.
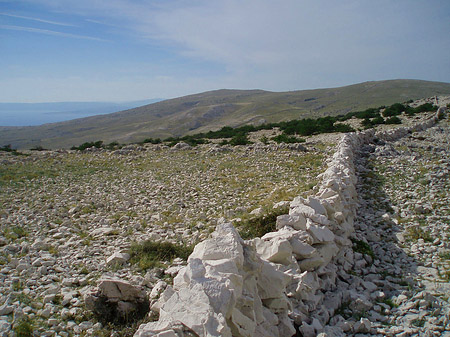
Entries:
{"x":310,"y":259}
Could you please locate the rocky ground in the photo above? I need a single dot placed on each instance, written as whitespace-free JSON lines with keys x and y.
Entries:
{"x":63,"y":215}
{"x":401,"y":281}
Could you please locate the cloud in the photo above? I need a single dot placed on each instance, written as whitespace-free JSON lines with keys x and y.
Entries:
{"x":38,"y":20}
{"x":273,"y":45}
{"x":50,"y":32}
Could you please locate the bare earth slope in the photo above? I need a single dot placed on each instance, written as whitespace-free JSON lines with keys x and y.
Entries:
{"x":212,"y":110}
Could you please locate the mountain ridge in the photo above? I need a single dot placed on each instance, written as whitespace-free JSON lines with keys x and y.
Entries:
{"x":214,"y":109}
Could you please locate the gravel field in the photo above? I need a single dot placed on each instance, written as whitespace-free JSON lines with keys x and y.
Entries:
{"x":64,"y":214}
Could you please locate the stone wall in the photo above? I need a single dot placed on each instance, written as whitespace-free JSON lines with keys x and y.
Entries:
{"x":291,"y":277}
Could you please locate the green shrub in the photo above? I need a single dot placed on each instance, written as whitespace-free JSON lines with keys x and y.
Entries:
{"x":283,"y":138}
{"x":38,"y":148}
{"x":240,"y":139}
{"x":343,"y":128}
{"x":393,"y":120}
{"x":362,"y":247}
{"x":264,"y":140}
{"x":15,"y":232}
{"x":368,"y":113}
{"x":394,"y":110}
{"x":112,"y":146}
{"x":8,"y":148}
{"x":378,"y":120}
{"x":425,"y":108}
{"x":367,"y":123}
{"x":151,"y":141}
{"x":150,"y":254}
{"x":98,"y":144}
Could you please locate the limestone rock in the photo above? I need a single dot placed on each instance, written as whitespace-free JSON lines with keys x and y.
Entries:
{"x":117,"y":258}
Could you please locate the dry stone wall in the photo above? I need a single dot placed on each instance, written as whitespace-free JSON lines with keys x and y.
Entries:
{"x":268,"y":286}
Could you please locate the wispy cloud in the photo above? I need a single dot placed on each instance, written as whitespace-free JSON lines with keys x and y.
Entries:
{"x":273,"y":45}
{"x":38,"y":20}
{"x":50,"y":32}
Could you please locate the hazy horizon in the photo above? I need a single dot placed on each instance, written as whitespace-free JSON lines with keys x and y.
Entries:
{"x":31,"y":114}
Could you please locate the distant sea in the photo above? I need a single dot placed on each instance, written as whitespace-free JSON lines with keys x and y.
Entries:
{"x":28,"y":114}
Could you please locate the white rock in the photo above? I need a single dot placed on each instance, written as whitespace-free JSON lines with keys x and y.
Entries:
{"x":281,"y":204}
{"x":362,"y":326}
{"x":301,"y":250}
{"x":158,"y":289}
{"x":320,"y":233}
{"x":103,"y":231}
{"x":119,"y":290}
{"x":6,"y":309}
{"x":257,"y":211}
{"x":117,"y":258}
{"x":311,"y":263}
{"x":316,"y":205}
{"x":297,"y":221}
{"x":277,"y":250}
{"x":327,"y":251}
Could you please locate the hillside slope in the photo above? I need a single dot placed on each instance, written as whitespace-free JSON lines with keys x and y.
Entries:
{"x":214,"y":109}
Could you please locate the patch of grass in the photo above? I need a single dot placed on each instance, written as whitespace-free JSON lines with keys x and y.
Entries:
{"x":15,"y":232}
{"x":389,"y":302}
{"x":415,"y":233}
{"x":23,"y":327}
{"x":150,"y":254}
{"x":445,"y":275}
{"x":344,"y":310}
{"x":128,"y":329}
{"x":258,"y":226}
{"x":24,"y":299}
{"x":53,"y":250}
{"x":88,"y":209}
{"x":419,"y":322}
{"x":362,"y":247}
{"x":87,"y":238}
{"x":445,"y":255}
{"x":18,"y":172}
{"x":84,"y":270}
{"x":18,"y":286}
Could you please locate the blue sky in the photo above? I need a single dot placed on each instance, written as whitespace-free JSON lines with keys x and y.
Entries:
{"x":121,"y":50}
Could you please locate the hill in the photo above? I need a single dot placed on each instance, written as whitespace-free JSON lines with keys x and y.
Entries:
{"x":215,"y":109}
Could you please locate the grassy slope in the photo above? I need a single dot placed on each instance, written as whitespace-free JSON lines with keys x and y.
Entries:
{"x":214,"y":109}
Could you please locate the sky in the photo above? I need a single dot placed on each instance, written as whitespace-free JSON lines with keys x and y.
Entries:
{"x":124,"y":50}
